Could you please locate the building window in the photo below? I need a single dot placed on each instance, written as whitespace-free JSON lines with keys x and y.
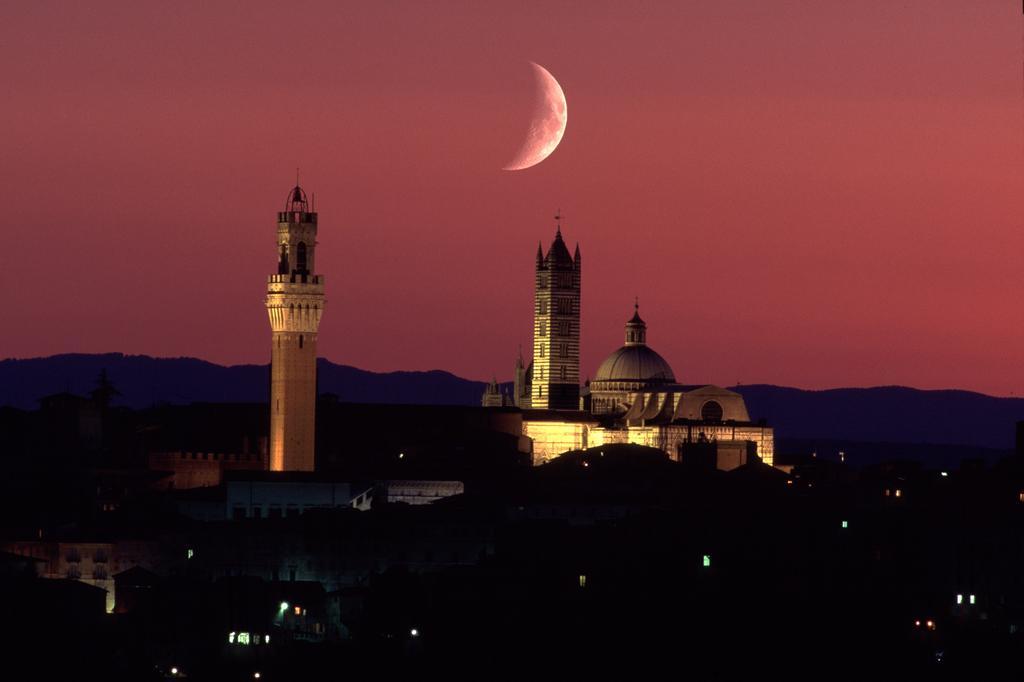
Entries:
{"x":564,"y":327}
{"x":711,"y":411}
{"x":300,"y":258}
{"x":561,"y":373}
{"x":282,"y":264}
{"x":238,"y":513}
{"x":565,"y":306}
{"x":300,"y":340}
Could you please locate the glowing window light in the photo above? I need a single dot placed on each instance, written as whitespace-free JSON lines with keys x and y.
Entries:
{"x":266,"y":639}
{"x":189,"y":554}
{"x":298,"y":610}
{"x":944,"y":474}
{"x":971,"y":599}
{"x":231,"y":638}
{"x":583,"y":581}
{"x":256,"y":676}
{"x":243,"y":637}
{"x":930,"y":624}
{"x":1020,"y":496}
{"x":706,"y":561}
{"x":845,"y":524}
{"x":959,"y":599}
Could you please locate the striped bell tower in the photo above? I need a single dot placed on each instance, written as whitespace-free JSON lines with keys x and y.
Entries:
{"x":295,"y":302}
{"x":556,"y":327}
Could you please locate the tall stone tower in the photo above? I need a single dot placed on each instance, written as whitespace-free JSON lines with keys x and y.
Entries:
{"x":295,"y":301}
{"x":556,"y":328}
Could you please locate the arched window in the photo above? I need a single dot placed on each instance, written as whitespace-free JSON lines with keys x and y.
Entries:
{"x":282,"y":264}
{"x":300,"y":258}
{"x":711,"y":411}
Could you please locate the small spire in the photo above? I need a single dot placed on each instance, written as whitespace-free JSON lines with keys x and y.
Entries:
{"x":558,"y":222}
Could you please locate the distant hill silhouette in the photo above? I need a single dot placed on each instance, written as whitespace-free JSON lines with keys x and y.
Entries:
{"x":888,"y":414}
{"x":144,"y":381}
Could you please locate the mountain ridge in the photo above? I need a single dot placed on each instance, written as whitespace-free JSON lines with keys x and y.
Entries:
{"x":877,"y":414}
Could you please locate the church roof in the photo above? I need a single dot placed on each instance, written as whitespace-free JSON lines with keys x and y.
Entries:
{"x":635,"y":363}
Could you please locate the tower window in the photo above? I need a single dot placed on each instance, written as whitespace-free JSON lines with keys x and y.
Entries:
{"x":300,"y":258}
{"x":563,"y":327}
{"x":282,"y":264}
{"x":561,"y":372}
{"x":300,"y":340}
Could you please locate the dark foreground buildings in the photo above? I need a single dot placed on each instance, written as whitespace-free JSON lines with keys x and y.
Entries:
{"x":441,"y":553}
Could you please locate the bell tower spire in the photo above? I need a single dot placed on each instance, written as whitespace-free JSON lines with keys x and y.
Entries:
{"x":555,"y":378}
{"x":295,"y":302}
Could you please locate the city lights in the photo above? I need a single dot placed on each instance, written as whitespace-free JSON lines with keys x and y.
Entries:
{"x":706,"y":561}
{"x":414,"y":633}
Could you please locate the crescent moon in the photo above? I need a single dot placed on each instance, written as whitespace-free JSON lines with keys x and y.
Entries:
{"x":547,"y":125}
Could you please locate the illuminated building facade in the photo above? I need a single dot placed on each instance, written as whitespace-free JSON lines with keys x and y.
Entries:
{"x":295,"y":302}
{"x":555,"y":381}
{"x":634,"y":396}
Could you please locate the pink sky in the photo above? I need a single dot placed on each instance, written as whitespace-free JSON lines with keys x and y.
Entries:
{"x":814,"y":194}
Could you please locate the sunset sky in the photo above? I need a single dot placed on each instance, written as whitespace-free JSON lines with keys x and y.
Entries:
{"x":818,"y":194}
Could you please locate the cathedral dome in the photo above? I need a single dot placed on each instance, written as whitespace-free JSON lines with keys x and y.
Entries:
{"x":635,"y":364}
